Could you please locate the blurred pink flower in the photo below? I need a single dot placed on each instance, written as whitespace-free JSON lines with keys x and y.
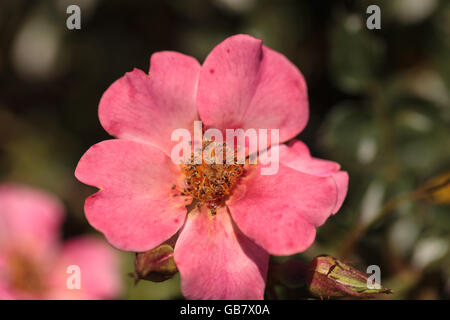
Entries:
{"x":222,"y":250}
{"x":33,"y":263}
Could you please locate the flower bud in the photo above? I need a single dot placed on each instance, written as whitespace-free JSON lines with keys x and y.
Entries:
{"x":330,"y":277}
{"x":156,"y":265}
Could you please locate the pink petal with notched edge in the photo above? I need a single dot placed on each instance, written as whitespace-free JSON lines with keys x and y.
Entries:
{"x":99,"y":267}
{"x":297,"y":156}
{"x":29,"y":216}
{"x":148,"y":108}
{"x":244,"y":84}
{"x":279,"y":212}
{"x":216,"y":261}
{"x":134,"y":208}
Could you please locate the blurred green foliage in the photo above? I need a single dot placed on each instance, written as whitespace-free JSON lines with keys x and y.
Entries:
{"x":379,"y":100}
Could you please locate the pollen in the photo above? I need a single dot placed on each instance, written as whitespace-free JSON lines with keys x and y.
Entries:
{"x":211,"y":184}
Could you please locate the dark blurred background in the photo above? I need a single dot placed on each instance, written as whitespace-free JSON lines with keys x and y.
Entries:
{"x":379,"y":103}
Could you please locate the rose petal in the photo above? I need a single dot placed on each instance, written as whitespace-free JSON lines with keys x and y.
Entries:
{"x":341,"y":179}
{"x":297,"y":156}
{"x":5,"y":292}
{"x":135,"y":208}
{"x":279,"y":212}
{"x":29,"y":217}
{"x":148,"y":108}
{"x":99,"y":270}
{"x":244,"y":84}
{"x":216,"y":261}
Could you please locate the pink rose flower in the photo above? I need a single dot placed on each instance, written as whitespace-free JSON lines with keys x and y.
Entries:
{"x":33,"y":263}
{"x":222,"y":248}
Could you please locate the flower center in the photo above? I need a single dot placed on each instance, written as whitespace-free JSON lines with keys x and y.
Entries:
{"x":24,"y":275}
{"x":211,"y":184}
